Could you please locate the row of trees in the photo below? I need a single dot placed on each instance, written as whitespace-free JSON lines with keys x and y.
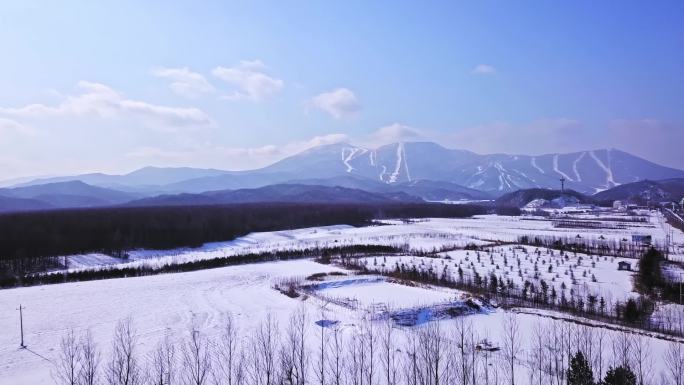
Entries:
{"x":323,"y":255}
{"x":624,"y":248}
{"x":370,"y":353}
{"x":633,"y":312}
{"x":33,"y":241}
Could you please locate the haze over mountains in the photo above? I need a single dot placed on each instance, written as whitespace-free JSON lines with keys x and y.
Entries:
{"x":343,"y":172}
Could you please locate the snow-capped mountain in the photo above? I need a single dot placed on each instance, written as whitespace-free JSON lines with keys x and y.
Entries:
{"x":399,"y":164}
{"x":587,"y":171}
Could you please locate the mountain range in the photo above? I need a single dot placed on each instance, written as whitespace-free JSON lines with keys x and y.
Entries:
{"x":399,"y":171}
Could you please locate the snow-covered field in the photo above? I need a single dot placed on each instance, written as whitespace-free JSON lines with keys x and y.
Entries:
{"x":171,"y":303}
{"x":419,"y":235}
{"x":581,"y":273}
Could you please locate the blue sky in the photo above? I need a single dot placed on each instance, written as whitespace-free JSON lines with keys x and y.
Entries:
{"x":115,"y":85}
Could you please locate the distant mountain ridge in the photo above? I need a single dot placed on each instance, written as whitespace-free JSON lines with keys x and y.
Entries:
{"x":422,"y":169}
{"x":521,"y":198}
{"x":646,"y":191}
{"x":586,"y":171}
{"x":277,"y":193}
{"x":70,"y":194}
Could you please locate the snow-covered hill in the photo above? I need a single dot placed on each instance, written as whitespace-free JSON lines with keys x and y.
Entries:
{"x":587,"y":171}
{"x":395,"y":164}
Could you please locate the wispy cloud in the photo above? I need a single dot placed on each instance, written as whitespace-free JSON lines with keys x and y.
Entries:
{"x":339,"y":103}
{"x":249,"y":80}
{"x":185,"y":82}
{"x":483,"y":69}
{"x":9,"y":126}
{"x":234,"y":158}
{"x":393,"y":133}
{"x":99,"y":100}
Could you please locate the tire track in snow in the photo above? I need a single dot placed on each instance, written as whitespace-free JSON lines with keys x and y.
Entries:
{"x":555,"y":168}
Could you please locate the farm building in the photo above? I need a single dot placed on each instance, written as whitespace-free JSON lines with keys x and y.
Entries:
{"x":622,"y":265}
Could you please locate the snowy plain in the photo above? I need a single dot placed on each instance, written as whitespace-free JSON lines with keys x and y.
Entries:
{"x":171,"y":303}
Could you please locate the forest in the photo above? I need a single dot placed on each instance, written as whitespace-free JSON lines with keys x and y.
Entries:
{"x":34,"y":241}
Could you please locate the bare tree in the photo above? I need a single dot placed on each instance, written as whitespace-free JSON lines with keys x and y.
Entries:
{"x":369,"y":339}
{"x":264,"y":350}
{"x":462,"y":330}
{"x":511,"y":343}
{"x":294,"y":356}
{"x":229,"y":356}
{"x":336,"y":363}
{"x":433,"y":356}
{"x":410,"y":365}
{"x":69,"y":364}
{"x":90,"y":360}
{"x":162,"y":363}
{"x":389,"y":357}
{"x":599,"y":342}
{"x":320,"y":352}
{"x":196,"y":358}
{"x":622,"y":350}
{"x":674,"y":362}
{"x":354,"y":356}
{"x":123,"y":368}
{"x":643,"y":362}
{"x":538,"y":353}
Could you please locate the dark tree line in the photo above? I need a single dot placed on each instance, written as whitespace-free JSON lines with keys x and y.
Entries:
{"x":322,"y":254}
{"x":31,"y":242}
{"x":620,"y":248}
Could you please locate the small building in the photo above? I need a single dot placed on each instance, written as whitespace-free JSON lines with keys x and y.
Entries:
{"x":622,"y":265}
{"x":617,"y":205}
{"x":641,"y":239}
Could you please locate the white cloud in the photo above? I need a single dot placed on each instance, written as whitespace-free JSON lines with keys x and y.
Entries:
{"x":484,"y":69}
{"x":535,"y":137}
{"x":250,"y":81}
{"x":8,"y":126}
{"x":226,"y":157}
{"x":99,"y":100}
{"x":185,"y":82}
{"x":392,"y":133}
{"x":339,"y":103}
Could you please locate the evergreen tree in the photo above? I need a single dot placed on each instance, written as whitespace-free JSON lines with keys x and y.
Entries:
{"x":580,"y":372}
{"x":620,"y":376}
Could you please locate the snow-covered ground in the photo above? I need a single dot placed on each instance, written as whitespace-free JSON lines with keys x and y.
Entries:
{"x":581,"y":273}
{"x":373,"y":291}
{"x":171,"y":303}
{"x":423,"y":235}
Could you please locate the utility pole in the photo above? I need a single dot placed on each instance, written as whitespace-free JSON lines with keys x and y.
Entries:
{"x":21,"y":325}
{"x":562,"y":180}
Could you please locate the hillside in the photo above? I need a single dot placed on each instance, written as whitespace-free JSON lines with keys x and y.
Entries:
{"x":521,"y":198}
{"x":399,"y":164}
{"x":292,"y":193}
{"x":645,"y":191}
